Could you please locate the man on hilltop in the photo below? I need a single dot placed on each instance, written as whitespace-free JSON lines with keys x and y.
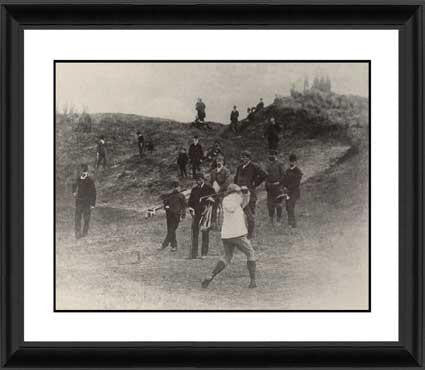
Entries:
{"x":200,"y":109}
{"x":234,"y":118}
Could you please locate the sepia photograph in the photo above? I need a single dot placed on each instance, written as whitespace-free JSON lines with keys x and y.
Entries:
{"x":212,"y":186}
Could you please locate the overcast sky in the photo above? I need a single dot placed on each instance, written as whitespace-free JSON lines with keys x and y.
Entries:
{"x":170,"y":90}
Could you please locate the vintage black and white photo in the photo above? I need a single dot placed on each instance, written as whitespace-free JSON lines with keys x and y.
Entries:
{"x":212,"y":185}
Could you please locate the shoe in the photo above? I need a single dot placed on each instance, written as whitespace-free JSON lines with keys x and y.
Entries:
{"x":203,"y":257}
{"x":174,"y":249}
{"x":162,"y":247}
{"x":206,"y":282}
{"x":252,"y":284}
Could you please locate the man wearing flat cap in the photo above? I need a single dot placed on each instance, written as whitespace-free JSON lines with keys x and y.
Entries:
{"x":84,"y":192}
{"x":200,"y":197}
{"x":249,"y":175}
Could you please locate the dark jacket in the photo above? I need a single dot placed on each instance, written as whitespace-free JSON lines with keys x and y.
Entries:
{"x":292,"y":181}
{"x":200,"y":107}
{"x":196,"y":154}
{"x":272,"y":132}
{"x":234,"y":116}
{"x":182,"y":159}
{"x":260,"y":106}
{"x":275,"y":172}
{"x":85,"y":192}
{"x":140,"y":140}
{"x":101,"y":148}
{"x":197,"y":193}
{"x":222,"y":178}
{"x":150,"y":146}
{"x":175,"y":203}
{"x":251,"y":176}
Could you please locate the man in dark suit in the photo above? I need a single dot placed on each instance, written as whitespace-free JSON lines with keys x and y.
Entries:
{"x":249,"y":175}
{"x":175,"y":210}
{"x":291,"y":182}
{"x":274,"y":188}
{"x":234,"y":118}
{"x":272,"y":134}
{"x":196,"y":155}
{"x":84,"y":192}
{"x":260,"y":105}
{"x":200,"y":197}
{"x":101,"y":152}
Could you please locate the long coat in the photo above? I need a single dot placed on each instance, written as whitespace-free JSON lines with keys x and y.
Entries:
{"x":196,"y":153}
{"x":85,"y":192}
{"x":292,"y":181}
{"x":198,"y":192}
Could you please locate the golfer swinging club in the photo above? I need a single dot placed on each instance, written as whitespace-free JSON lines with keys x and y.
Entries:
{"x":234,"y":233}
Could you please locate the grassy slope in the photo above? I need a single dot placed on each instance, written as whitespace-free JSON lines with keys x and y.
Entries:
{"x":321,"y":266}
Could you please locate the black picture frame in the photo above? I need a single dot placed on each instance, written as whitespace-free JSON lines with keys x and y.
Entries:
{"x":405,"y":16}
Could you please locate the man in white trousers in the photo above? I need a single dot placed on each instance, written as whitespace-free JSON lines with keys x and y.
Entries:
{"x":234,"y":233}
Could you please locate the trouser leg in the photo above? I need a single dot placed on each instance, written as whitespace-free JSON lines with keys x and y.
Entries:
{"x":270,"y":207}
{"x":195,"y":236}
{"x":86,"y":215}
{"x":205,"y":242}
{"x":244,"y":245}
{"x":195,"y":168}
{"x":101,"y":160}
{"x":252,"y":267}
{"x":78,"y":215}
{"x":167,"y":237}
{"x":221,"y":264}
{"x":279,"y":212}
{"x":290,"y":209}
{"x":173,"y":229}
{"x":250,"y":217}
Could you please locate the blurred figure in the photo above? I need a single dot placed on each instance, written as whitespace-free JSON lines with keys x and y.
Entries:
{"x":200,"y":198}
{"x":84,"y":191}
{"x":175,"y":210}
{"x":274,"y":187}
{"x":182,"y":160}
{"x":140,"y":143}
{"x":213,"y":153}
{"x":234,"y":118}
{"x":196,"y":155}
{"x":249,"y":175}
{"x":291,"y":182}
{"x":149,"y":146}
{"x":219,"y":180}
{"x":200,"y":109}
{"x":101,"y":152}
{"x":272,"y":134}
{"x":260,"y":106}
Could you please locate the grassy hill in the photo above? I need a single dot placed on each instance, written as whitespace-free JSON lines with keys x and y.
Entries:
{"x":313,"y":125}
{"x":322,"y":265}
